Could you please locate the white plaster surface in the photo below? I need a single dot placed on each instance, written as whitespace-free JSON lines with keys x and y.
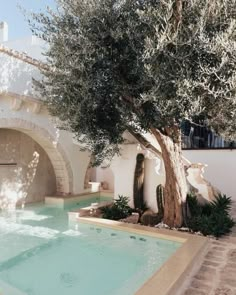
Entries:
{"x":123,"y":168}
{"x":103,"y":175}
{"x":221,"y":169}
{"x":16,"y":76}
{"x":154,"y":175}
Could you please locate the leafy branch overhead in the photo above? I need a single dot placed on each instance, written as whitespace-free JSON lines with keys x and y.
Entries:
{"x":139,"y":65}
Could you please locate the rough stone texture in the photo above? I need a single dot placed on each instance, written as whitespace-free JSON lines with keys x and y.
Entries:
{"x":131,"y":219}
{"x":217,"y":273}
{"x":224,"y":291}
{"x":193,"y":291}
{"x":200,"y":285}
{"x":150,"y":218}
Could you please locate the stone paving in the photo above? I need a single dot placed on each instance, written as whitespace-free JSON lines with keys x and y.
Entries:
{"x":217,"y":273}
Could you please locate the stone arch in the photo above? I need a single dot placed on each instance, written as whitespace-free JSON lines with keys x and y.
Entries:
{"x":54,"y":150}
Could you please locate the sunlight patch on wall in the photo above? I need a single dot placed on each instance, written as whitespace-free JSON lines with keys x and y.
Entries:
{"x":11,"y":191}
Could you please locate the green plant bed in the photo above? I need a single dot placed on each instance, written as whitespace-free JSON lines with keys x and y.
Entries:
{"x":211,"y":218}
{"x":119,"y":210}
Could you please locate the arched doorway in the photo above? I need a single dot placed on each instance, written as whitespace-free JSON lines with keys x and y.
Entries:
{"x":26,"y":172}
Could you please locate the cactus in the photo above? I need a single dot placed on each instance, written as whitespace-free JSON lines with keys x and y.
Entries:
{"x":160,"y":199}
{"x":138,"y":182}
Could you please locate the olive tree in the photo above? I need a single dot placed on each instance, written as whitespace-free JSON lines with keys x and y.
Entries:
{"x":141,"y":66}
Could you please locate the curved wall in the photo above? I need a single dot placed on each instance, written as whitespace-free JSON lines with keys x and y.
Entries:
{"x":31,"y":176}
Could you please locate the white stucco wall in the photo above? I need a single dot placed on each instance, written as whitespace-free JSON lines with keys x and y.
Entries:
{"x":16,"y":76}
{"x":154,"y":175}
{"x":221,"y":169}
{"x":30,"y":45}
{"x":100,"y":174}
{"x":123,"y":168}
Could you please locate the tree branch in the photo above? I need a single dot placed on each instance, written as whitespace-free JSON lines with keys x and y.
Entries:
{"x":144,"y":142}
{"x":178,"y":6}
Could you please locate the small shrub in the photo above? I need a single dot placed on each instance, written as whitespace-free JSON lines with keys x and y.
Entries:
{"x":119,"y":210}
{"x":211,"y":218}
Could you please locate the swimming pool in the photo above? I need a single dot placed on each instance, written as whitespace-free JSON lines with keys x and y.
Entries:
{"x":41,"y":254}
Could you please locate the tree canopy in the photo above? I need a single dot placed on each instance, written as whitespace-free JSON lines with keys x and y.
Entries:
{"x":137,"y":65}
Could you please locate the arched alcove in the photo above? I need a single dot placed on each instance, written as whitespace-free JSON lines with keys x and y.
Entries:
{"x":53,"y":149}
{"x":26,"y":172}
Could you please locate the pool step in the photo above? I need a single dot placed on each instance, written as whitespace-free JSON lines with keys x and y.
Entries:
{"x":92,"y":211}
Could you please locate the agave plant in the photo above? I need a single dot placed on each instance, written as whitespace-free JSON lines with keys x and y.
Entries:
{"x":211,"y":218}
{"x":222,"y":203}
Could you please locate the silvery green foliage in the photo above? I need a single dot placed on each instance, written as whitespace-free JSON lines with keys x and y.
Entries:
{"x":117,"y":65}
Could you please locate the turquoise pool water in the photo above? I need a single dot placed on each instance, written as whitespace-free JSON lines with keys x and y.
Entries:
{"x":41,"y":254}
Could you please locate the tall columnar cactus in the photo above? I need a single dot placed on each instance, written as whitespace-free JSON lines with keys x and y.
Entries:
{"x":138,"y":182}
{"x":160,"y":199}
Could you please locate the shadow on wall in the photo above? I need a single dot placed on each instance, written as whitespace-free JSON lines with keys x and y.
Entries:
{"x":26,"y":173}
{"x":102,"y":175}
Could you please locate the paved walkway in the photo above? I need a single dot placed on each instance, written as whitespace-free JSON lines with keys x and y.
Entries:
{"x":217,"y":273}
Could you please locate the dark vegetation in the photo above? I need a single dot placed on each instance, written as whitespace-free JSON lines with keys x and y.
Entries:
{"x":211,"y":218}
{"x":119,"y":210}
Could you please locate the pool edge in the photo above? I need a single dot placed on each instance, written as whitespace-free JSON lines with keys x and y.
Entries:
{"x":169,"y":279}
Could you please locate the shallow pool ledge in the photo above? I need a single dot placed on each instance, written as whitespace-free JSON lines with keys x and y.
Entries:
{"x":170,"y":278}
{"x":62,"y":201}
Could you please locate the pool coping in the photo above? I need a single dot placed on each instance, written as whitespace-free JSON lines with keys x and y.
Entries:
{"x":169,"y":279}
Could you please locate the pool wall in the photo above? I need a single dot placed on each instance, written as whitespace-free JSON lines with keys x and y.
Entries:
{"x":61,"y":201}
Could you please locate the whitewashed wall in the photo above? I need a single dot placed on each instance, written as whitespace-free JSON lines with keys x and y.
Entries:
{"x":30,"y":45}
{"x":123,"y":168}
{"x":221,"y":169}
{"x":154,"y":175}
{"x":103,"y":174}
{"x":16,"y":76}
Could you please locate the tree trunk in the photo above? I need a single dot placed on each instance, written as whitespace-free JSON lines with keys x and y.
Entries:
{"x":175,"y":190}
